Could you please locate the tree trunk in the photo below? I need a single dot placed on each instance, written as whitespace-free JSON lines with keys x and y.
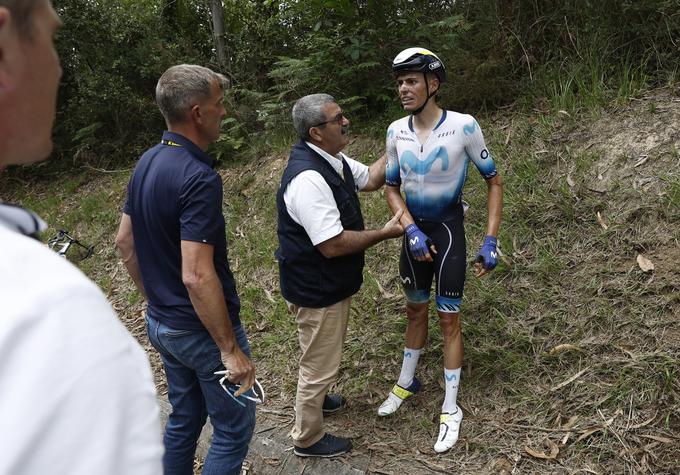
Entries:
{"x":219,"y":34}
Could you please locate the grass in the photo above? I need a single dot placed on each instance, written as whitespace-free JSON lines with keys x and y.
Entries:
{"x":563,"y":280}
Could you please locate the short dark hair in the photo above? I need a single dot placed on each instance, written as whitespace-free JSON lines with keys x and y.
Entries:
{"x":22,"y":14}
{"x":181,"y":86}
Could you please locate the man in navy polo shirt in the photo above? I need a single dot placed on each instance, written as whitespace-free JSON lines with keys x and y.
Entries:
{"x":173,"y":242}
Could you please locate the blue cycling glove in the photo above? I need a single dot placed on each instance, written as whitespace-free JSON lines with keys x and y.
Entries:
{"x":488,"y":255}
{"x":418,"y":242}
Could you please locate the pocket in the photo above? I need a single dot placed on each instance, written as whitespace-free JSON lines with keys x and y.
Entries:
{"x":175,"y":333}
{"x":349,"y":213}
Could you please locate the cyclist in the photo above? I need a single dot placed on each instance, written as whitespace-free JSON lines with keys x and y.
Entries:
{"x":428,"y":153}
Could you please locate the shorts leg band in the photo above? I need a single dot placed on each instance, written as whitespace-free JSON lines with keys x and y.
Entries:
{"x":448,"y":305}
{"x":417,"y":296}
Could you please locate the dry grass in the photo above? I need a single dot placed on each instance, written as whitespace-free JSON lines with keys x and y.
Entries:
{"x":572,"y":350}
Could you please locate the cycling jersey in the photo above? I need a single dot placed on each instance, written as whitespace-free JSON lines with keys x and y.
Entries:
{"x":432,"y":174}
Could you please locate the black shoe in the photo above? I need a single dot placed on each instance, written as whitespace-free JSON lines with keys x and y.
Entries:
{"x":332,"y":403}
{"x":328,"y":446}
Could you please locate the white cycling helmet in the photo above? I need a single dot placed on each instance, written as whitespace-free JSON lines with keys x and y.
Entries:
{"x":420,"y":60}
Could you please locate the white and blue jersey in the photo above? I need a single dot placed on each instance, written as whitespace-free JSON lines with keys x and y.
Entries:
{"x":432,"y":174}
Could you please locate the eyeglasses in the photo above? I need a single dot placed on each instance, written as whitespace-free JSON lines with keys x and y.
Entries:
{"x":255,"y":394}
{"x":338,"y":118}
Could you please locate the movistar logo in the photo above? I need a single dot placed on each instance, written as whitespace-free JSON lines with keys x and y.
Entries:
{"x":451,"y":378}
{"x":435,"y":65}
{"x":470,"y":129}
{"x":414,"y":241}
{"x":423,"y":167}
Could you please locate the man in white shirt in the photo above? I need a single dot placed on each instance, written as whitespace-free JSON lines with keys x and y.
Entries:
{"x":76,"y":391}
{"x":321,"y":257}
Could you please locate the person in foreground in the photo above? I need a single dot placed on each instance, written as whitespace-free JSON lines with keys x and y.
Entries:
{"x":172,"y":240}
{"x":321,"y":258}
{"x":76,"y":389}
{"x":428,"y":153}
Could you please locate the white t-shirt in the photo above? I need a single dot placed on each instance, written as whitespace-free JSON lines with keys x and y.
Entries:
{"x":76,"y":390}
{"x":309,"y":200}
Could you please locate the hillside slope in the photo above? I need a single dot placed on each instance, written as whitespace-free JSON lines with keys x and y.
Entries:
{"x":572,"y":349}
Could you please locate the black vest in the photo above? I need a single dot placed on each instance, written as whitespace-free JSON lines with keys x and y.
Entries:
{"x":307,"y":277}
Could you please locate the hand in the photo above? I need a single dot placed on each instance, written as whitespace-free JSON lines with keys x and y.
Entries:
{"x":392,"y":228}
{"x":419,"y":244}
{"x":240,"y":369}
{"x":487,"y":257}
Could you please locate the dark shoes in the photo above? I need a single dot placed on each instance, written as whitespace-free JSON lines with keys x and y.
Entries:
{"x":328,"y":446}
{"x":332,"y":403}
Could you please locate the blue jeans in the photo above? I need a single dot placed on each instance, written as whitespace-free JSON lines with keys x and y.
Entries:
{"x":190,"y":357}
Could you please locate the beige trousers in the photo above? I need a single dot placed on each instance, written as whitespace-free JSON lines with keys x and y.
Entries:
{"x":322,"y":334}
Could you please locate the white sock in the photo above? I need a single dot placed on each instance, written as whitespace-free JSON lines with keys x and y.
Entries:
{"x":451,"y":381}
{"x":408,"y":367}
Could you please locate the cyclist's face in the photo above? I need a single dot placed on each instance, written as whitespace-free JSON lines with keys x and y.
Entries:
{"x":412,"y":91}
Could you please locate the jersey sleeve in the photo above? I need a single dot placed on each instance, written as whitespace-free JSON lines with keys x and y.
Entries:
{"x":392,"y":173}
{"x":476,"y":149}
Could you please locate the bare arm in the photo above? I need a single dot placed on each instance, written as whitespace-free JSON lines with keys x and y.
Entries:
{"x":396,"y":202}
{"x":350,"y":242}
{"x":494,"y":205}
{"x":125,"y":245}
{"x":376,"y":174}
{"x":205,"y":291}
{"x":495,"y":208}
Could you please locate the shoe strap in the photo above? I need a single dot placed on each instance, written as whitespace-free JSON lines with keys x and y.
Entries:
{"x":401,"y":393}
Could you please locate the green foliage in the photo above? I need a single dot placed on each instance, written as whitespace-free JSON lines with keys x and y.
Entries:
{"x":572,"y":55}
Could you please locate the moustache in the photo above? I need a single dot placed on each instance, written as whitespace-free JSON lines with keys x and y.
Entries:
{"x":344,"y":129}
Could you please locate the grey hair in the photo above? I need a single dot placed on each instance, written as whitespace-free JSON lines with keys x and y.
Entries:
{"x":22,"y":15}
{"x":307,"y":112}
{"x":182,"y":86}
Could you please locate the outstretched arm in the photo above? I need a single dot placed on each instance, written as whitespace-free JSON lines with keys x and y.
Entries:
{"x":376,"y":174}
{"x":351,"y":242}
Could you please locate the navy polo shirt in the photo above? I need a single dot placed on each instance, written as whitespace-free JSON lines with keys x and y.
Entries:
{"x":175,"y":195}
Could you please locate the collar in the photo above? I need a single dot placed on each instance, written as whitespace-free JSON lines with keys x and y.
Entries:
{"x":441,"y":121}
{"x":172,"y":139}
{"x":21,"y":220}
{"x":335,"y":161}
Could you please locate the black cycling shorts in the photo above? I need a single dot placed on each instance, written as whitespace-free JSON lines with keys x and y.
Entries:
{"x":448,"y":266}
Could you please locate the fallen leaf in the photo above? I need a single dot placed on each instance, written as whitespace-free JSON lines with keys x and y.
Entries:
{"x":645,"y":264}
{"x":570,"y":181}
{"x":554,"y":450}
{"x":641,"y":161}
{"x":570,"y":423}
{"x":601,"y":222}
{"x":563,"y":347}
